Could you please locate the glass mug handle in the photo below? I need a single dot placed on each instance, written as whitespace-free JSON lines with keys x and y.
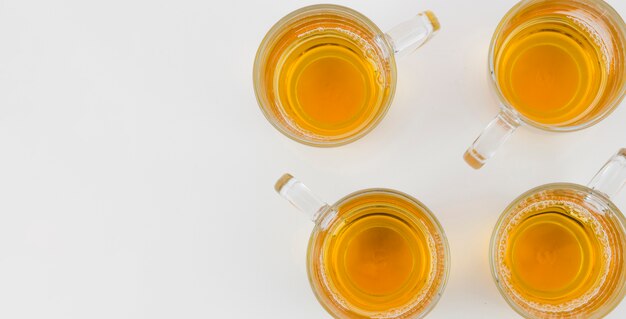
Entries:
{"x":612,"y":176}
{"x":409,"y":35}
{"x":303,"y":199}
{"x":493,"y":136}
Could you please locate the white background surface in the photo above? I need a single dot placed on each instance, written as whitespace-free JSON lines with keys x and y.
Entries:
{"x":136,"y":169}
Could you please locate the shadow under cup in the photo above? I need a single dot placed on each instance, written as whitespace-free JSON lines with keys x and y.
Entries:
{"x":363,"y":75}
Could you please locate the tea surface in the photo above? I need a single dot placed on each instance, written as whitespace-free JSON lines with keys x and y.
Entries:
{"x":551,"y":70}
{"x":383,"y":257}
{"x":557,"y":254}
{"x":554,"y":255}
{"x":327,"y":85}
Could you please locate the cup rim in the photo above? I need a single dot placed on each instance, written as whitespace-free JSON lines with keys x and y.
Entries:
{"x":616,"y":20}
{"x":610,"y":303}
{"x":437,"y":225}
{"x":277,"y":27}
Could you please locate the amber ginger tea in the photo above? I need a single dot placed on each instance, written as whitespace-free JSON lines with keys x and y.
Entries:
{"x":558,"y":256}
{"x":327,"y":75}
{"x":556,"y":64}
{"x":327,"y":85}
{"x":383,"y":257}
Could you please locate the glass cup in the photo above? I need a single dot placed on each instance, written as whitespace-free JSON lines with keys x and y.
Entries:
{"x":558,"y":250}
{"x":325,"y":75}
{"x":376,"y":253}
{"x":557,"y":65}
